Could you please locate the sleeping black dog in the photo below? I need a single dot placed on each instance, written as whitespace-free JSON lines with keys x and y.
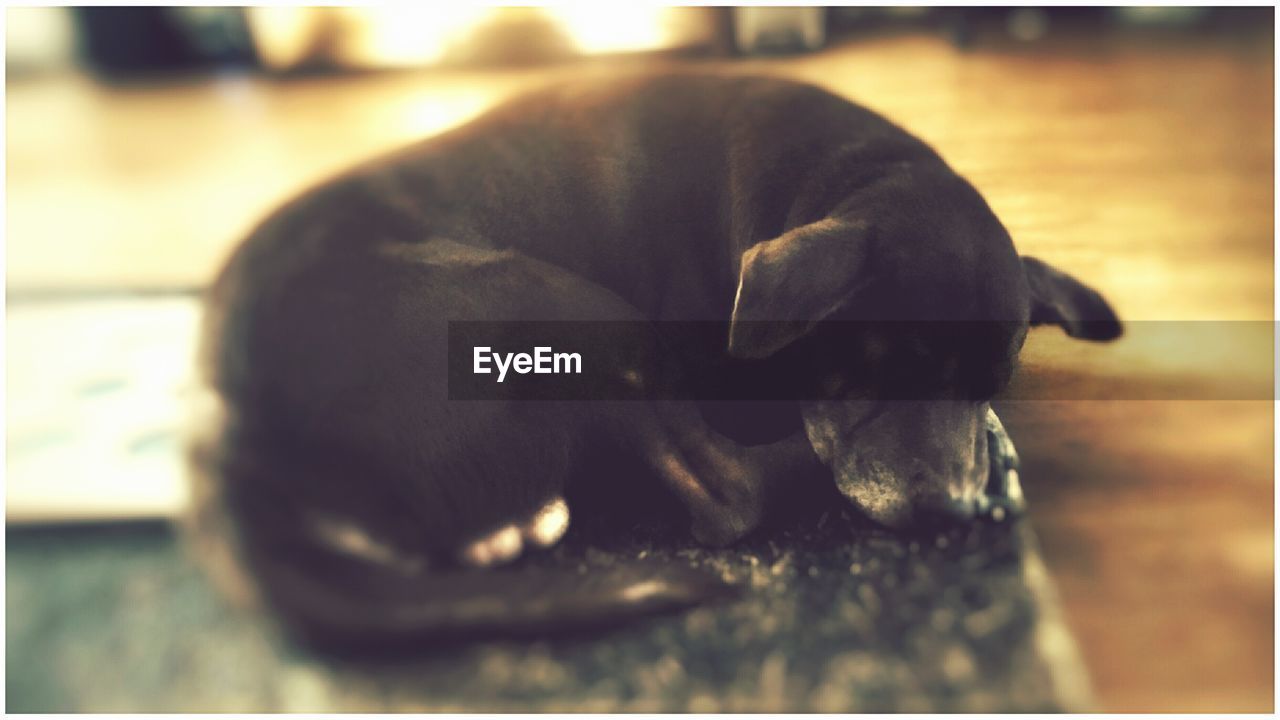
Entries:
{"x":361,"y":497}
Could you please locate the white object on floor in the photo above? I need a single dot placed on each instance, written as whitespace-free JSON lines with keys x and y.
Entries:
{"x":94,"y":406}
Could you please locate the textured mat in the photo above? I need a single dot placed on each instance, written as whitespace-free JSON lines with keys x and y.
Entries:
{"x":837,"y":618}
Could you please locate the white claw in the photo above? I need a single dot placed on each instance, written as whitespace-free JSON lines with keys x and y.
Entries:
{"x":500,"y":546}
{"x":476,"y":554}
{"x":549,"y":524}
{"x":544,"y":529}
{"x":1014,"y":490}
{"x":506,"y":544}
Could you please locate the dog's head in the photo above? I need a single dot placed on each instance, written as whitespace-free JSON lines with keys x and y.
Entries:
{"x":928,"y":304}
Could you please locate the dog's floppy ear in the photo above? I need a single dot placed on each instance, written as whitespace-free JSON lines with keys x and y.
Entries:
{"x":1059,"y":299}
{"x":786,"y":285}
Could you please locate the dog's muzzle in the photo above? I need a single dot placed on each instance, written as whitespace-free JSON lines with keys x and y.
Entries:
{"x":903,"y":477}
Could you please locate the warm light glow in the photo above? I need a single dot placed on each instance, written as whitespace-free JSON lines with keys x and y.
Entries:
{"x":371,"y":37}
{"x":408,"y":35}
{"x":602,"y":28}
{"x":282,"y":34}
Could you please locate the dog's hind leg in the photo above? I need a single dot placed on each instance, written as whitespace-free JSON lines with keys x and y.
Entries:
{"x":350,"y":480}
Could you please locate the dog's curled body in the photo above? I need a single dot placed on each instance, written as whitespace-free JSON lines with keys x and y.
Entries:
{"x":348,"y":482}
{"x":352,"y":484}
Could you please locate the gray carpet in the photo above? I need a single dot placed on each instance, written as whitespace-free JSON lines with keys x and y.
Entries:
{"x":837,"y":617}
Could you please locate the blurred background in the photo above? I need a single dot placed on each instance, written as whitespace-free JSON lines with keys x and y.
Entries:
{"x":1132,"y":147}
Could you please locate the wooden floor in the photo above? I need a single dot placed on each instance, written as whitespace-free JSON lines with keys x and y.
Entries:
{"x":1142,"y":163}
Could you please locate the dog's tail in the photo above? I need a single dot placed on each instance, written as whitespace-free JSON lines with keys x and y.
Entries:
{"x":372,"y":609}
